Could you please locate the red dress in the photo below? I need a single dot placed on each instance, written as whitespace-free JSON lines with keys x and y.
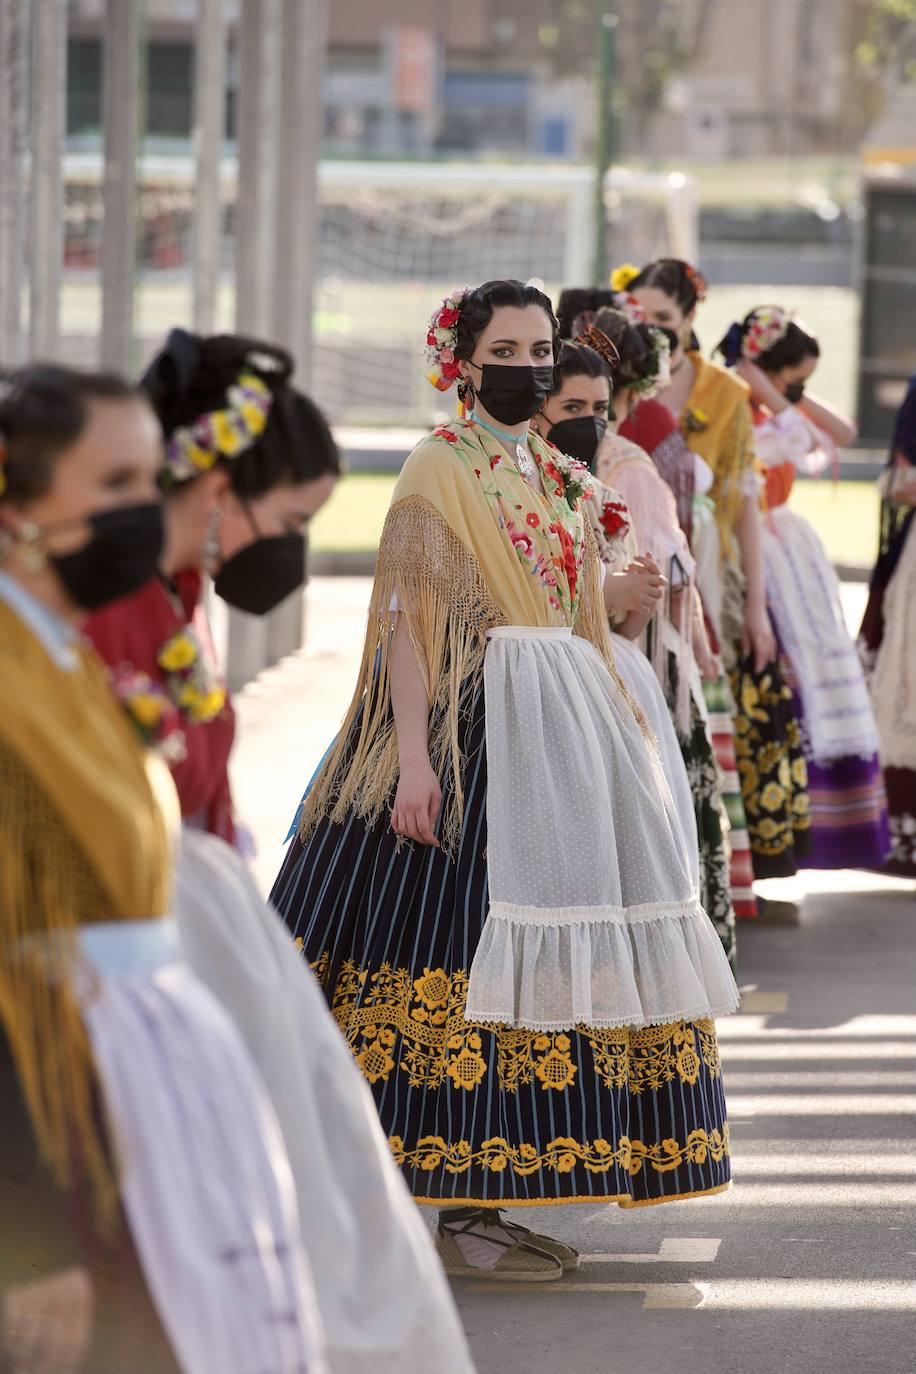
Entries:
{"x":132,"y":632}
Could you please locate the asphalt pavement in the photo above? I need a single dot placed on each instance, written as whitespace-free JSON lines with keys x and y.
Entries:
{"x":808,"y":1264}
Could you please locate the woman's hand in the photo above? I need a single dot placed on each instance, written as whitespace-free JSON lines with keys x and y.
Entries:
{"x":758,"y":637}
{"x":636,"y":590}
{"x":45,"y":1326}
{"x":417,"y":803}
{"x":763,"y":390}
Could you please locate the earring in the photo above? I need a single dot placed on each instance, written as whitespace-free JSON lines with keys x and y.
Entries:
{"x":34,"y":555}
{"x":466,"y":392}
{"x":211,"y":554}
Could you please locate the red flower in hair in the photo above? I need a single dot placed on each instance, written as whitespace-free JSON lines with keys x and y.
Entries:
{"x":451,"y":371}
{"x":448,"y":317}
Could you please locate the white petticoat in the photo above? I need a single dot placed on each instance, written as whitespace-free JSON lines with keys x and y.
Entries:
{"x":205,"y":1180}
{"x":384,"y":1302}
{"x":644,"y":688}
{"x":594,"y":916}
{"x":803,"y":593}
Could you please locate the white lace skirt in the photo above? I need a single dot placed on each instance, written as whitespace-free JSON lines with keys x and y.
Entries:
{"x":594,"y":916}
{"x":645,"y":689}
{"x":205,"y":1179}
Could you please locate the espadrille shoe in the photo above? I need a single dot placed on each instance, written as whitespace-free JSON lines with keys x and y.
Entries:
{"x":568,"y":1257}
{"x":521,"y":1261}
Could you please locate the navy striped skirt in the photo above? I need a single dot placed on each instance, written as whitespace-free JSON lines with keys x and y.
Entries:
{"x":482,"y":1114}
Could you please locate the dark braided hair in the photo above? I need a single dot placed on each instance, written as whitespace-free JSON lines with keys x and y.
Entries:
{"x":191,"y":378}
{"x":577,"y":307}
{"x":44,"y":409}
{"x":796,"y":345}
{"x":634,"y":344}
{"x":578,"y":360}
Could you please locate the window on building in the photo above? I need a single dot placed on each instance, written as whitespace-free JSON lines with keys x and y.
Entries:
{"x":84,"y":86}
{"x":170,"y":89}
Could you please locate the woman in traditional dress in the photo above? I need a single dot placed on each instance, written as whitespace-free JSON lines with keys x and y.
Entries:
{"x":249,"y":461}
{"x":888,"y":638}
{"x":242,"y":444}
{"x":776,"y":356}
{"x":712,"y":407}
{"x":574,"y":419}
{"x":102,"y":1025}
{"x":679,"y":643}
{"x":489,"y":853}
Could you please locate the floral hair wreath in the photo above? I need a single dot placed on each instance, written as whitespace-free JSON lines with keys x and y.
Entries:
{"x":659,"y":378}
{"x":227,"y":433}
{"x":442,"y":339}
{"x":762,"y":330}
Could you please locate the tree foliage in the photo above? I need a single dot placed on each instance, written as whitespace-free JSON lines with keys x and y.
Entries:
{"x":889,"y":47}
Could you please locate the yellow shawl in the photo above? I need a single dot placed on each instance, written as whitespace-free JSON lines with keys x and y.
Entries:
{"x":85,"y":821}
{"x":468,"y":544}
{"x":717,"y":425}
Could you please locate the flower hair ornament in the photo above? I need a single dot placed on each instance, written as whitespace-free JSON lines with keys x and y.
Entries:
{"x":603,"y":346}
{"x":227,"y":433}
{"x":623,"y":277}
{"x":442,"y":339}
{"x":659,"y":378}
{"x":697,"y":281}
{"x":761,"y":331}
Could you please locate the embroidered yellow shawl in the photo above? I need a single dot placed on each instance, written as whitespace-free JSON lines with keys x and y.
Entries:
{"x":717,"y":426}
{"x":468,"y":544}
{"x":85,"y":821}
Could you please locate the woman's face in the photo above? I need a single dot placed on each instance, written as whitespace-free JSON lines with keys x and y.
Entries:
{"x":515,"y":337}
{"x":794,"y":375}
{"x":286,"y":509}
{"x":578,"y":396}
{"x":664,"y":311}
{"x":114,"y":463}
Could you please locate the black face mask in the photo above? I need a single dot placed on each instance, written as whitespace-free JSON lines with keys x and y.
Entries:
{"x":122,"y":554}
{"x":579,"y":436}
{"x":512,"y":394}
{"x":260,"y":576}
{"x":794,"y":392}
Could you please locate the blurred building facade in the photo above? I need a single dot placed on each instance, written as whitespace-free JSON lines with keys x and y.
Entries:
{"x":703,"y":79}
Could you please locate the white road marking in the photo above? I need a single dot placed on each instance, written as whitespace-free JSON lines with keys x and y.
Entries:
{"x":673,"y":1250}
{"x":786,"y":1295}
{"x":754,"y":1002}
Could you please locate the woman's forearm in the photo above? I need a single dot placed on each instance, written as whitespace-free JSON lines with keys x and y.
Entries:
{"x":409,"y":701}
{"x":841,"y":430}
{"x":750,"y":542}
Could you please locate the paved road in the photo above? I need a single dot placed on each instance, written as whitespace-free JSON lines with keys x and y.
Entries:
{"x":808,"y":1265}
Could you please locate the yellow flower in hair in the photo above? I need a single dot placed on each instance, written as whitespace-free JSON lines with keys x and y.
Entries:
{"x":621,"y":277}
{"x":180,"y":652}
{"x":254,"y":417}
{"x":228,"y":436}
{"x":200,"y":458}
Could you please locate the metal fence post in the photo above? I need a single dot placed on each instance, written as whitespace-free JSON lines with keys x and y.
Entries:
{"x":14,"y":47}
{"x":255,"y":263}
{"x":121,"y":119}
{"x":49,"y":131}
{"x":209,"y":135}
{"x":301,"y":120}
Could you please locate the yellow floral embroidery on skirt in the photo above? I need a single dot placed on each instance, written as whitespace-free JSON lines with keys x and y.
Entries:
{"x":439,"y":1047}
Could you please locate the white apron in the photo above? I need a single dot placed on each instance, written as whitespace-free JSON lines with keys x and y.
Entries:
{"x":204,"y":1176}
{"x":594,"y":915}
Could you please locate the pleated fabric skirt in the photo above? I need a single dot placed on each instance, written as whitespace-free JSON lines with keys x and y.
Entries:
{"x":496,"y":1115}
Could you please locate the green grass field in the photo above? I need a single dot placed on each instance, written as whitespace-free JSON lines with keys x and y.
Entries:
{"x":845,"y":516}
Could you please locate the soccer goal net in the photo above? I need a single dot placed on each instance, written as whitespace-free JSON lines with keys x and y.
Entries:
{"x":393,"y":239}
